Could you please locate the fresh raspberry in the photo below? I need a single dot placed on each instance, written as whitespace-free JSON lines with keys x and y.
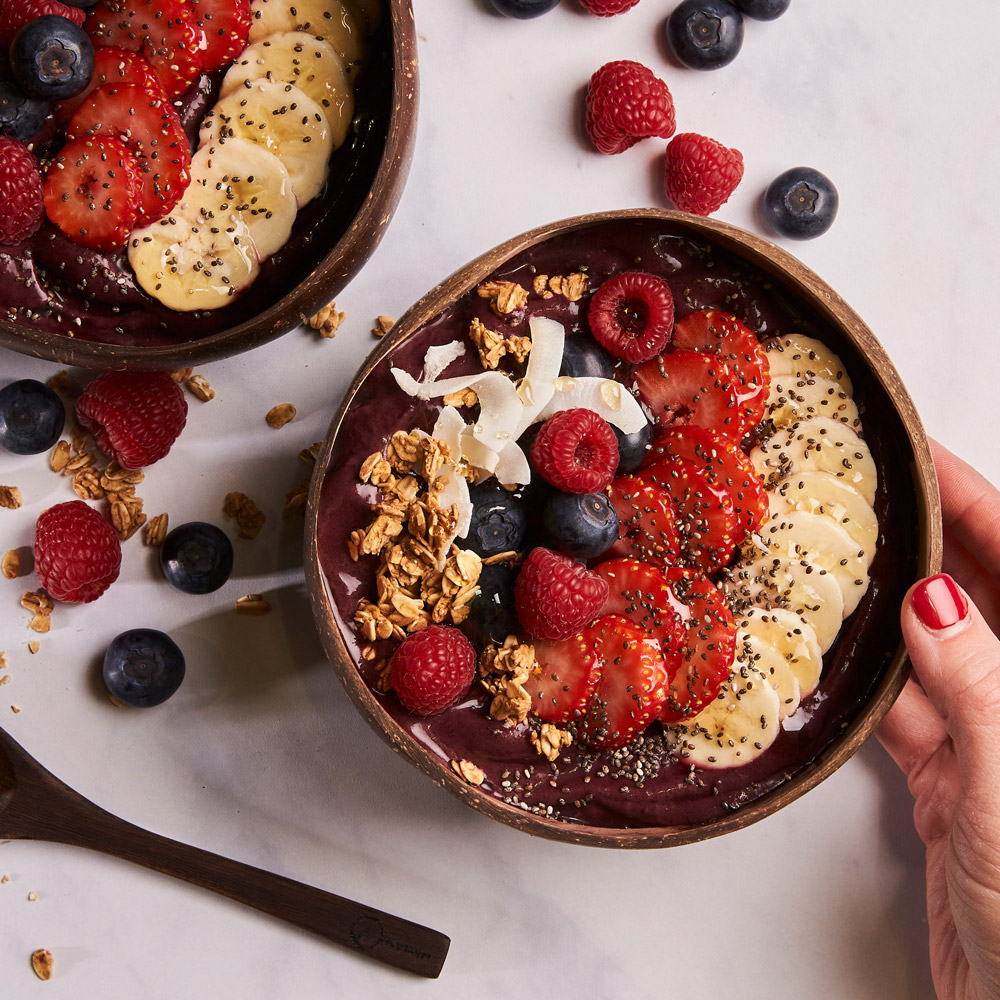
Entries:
{"x":607,"y":8}
{"x":433,"y":668}
{"x":134,"y":416}
{"x":700,"y":173}
{"x":21,"y":206}
{"x":632,"y":315}
{"x":576,"y":451}
{"x":627,"y":102}
{"x":77,"y":553}
{"x":556,"y":596}
{"x":14,"y":13}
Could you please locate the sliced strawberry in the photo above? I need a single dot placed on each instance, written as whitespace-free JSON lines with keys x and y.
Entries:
{"x":722,"y":334}
{"x":225,"y":25}
{"x":92,"y":192}
{"x":565,"y":679}
{"x":646,"y":519}
{"x":14,"y":13}
{"x":688,"y":387}
{"x":706,"y":519}
{"x":152,"y":130}
{"x":709,"y":646}
{"x":114,"y":65}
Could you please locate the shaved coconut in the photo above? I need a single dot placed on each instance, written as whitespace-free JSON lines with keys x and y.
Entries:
{"x":513,"y":466}
{"x":499,"y":411}
{"x":436,"y":359}
{"x":606,"y":397}
{"x":478,"y":454}
{"x":448,"y":428}
{"x":455,"y":491}
{"x":544,"y":362}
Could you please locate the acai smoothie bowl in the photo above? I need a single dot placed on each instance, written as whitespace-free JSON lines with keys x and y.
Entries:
{"x":610,"y":533}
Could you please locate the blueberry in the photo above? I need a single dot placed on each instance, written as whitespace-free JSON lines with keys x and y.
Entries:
{"x":491,"y":612}
{"x":524,"y":8}
{"x":583,"y":357}
{"x":705,"y":34}
{"x":143,"y":667}
{"x":52,"y":57}
{"x":20,"y":116}
{"x":801,"y":203}
{"x":763,"y":10}
{"x":31,"y":417}
{"x":499,"y":521}
{"x":196,"y":557}
{"x":582,"y":525}
{"x":632,"y":447}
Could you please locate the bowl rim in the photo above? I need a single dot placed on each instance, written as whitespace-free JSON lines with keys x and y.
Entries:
{"x":344,"y":260}
{"x":818,"y":293}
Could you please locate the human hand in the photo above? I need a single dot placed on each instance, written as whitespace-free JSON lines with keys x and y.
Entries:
{"x":944,"y":733}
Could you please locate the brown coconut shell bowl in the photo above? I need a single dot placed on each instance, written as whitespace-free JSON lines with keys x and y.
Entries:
{"x":333,"y":236}
{"x":579,"y":798}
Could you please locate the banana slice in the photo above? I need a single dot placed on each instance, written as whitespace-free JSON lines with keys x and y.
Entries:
{"x":823,"y":493}
{"x":244,"y":179}
{"x":329,"y":19}
{"x":737,"y":726}
{"x":189,"y":262}
{"x":750,"y":650}
{"x":818,"y":445}
{"x":793,"y":638}
{"x":797,"y":354}
{"x":798,"y":397}
{"x":311,"y":64}
{"x":286,"y":122}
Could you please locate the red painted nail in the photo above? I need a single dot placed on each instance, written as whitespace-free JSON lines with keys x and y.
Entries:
{"x":939,"y":603}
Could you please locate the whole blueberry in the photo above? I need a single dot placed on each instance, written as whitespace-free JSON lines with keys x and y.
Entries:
{"x":143,"y":667}
{"x":196,"y":557}
{"x":632,"y":447}
{"x":31,"y":417}
{"x":705,"y":34}
{"x":582,"y":525}
{"x":499,"y":521}
{"x":491,"y":612}
{"x":801,"y":203}
{"x":52,"y":57}
{"x":20,"y":116}
{"x":763,"y":10}
{"x":523,"y":8}
{"x":583,"y":357}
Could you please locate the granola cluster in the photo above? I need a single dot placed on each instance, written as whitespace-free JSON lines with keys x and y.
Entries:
{"x":493,"y":347}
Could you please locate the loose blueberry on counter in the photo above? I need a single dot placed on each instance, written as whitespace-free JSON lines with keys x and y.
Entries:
{"x":52,"y":57}
{"x":763,"y":10}
{"x":581,"y":525}
{"x":20,"y":116}
{"x":632,"y":447}
{"x":499,"y":521}
{"x":491,"y":612}
{"x":143,"y":667}
{"x":196,"y":557}
{"x":801,"y":203}
{"x":31,"y":417}
{"x":523,"y":8}
{"x":705,"y":34}
{"x":583,"y":357}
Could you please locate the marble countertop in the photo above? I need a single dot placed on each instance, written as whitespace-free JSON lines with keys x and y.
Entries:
{"x":261,"y":757}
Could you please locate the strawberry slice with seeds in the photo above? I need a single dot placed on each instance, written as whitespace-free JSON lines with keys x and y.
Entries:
{"x":565,"y":677}
{"x":225,"y":25}
{"x":647,"y":520}
{"x":688,"y":387}
{"x":151,"y":128}
{"x":92,"y":192}
{"x":633,"y":684}
{"x":708,"y":650}
{"x":114,"y":65}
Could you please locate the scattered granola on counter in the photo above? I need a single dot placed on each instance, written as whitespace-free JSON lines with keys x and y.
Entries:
{"x":326,"y":321}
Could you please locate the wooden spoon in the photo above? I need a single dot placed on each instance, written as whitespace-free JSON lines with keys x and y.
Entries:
{"x":35,"y":805}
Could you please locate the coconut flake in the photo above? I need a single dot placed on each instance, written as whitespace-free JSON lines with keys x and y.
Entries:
{"x":437,"y":359}
{"x":544,"y":362}
{"x":606,"y":397}
{"x":512,"y":465}
{"x":448,"y":428}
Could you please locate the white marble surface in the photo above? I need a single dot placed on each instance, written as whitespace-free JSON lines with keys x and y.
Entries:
{"x":261,"y":757}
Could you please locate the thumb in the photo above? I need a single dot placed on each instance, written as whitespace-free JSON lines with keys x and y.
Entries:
{"x":956,"y":658}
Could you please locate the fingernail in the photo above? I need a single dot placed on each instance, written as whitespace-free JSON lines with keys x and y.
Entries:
{"x":939,"y":603}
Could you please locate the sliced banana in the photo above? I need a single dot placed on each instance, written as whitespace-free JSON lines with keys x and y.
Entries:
{"x":308,"y":62}
{"x":797,"y":354}
{"x":739,"y":725}
{"x":796,"y":397}
{"x":286,"y":122}
{"x":818,"y":445}
{"x":823,"y":493}
{"x":329,"y":19}
{"x":767,"y":660}
{"x":790,"y":636}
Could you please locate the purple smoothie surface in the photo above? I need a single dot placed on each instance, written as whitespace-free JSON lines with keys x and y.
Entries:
{"x":642,"y":786}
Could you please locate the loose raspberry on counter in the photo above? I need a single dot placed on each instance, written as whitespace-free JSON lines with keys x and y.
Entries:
{"x":77,"y":553}
{"x":700,"y":174}
{"x":627,"y":102}
{"x":556,"y":596}
{"x":607,"y":8}
{"x":135,"y":416}
{"x":21,"y":207}
{"x":632,"y":315}
{"x":576,"y":451}
{"x":433,"y":668}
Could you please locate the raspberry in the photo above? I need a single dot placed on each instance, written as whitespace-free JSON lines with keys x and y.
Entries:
{"x":433,"y":668}
{"x":21,"y":209}
{"x":700,"y":173}
{"x":77,"y":553}
{"x":632,"y":315}
{"x":134,"y":416}
{"x":607,"y":8}
{"x":576,"y":451}
{"x":14,"y":13}
{"x":556,"y":596}
{"x":627,"y":102}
